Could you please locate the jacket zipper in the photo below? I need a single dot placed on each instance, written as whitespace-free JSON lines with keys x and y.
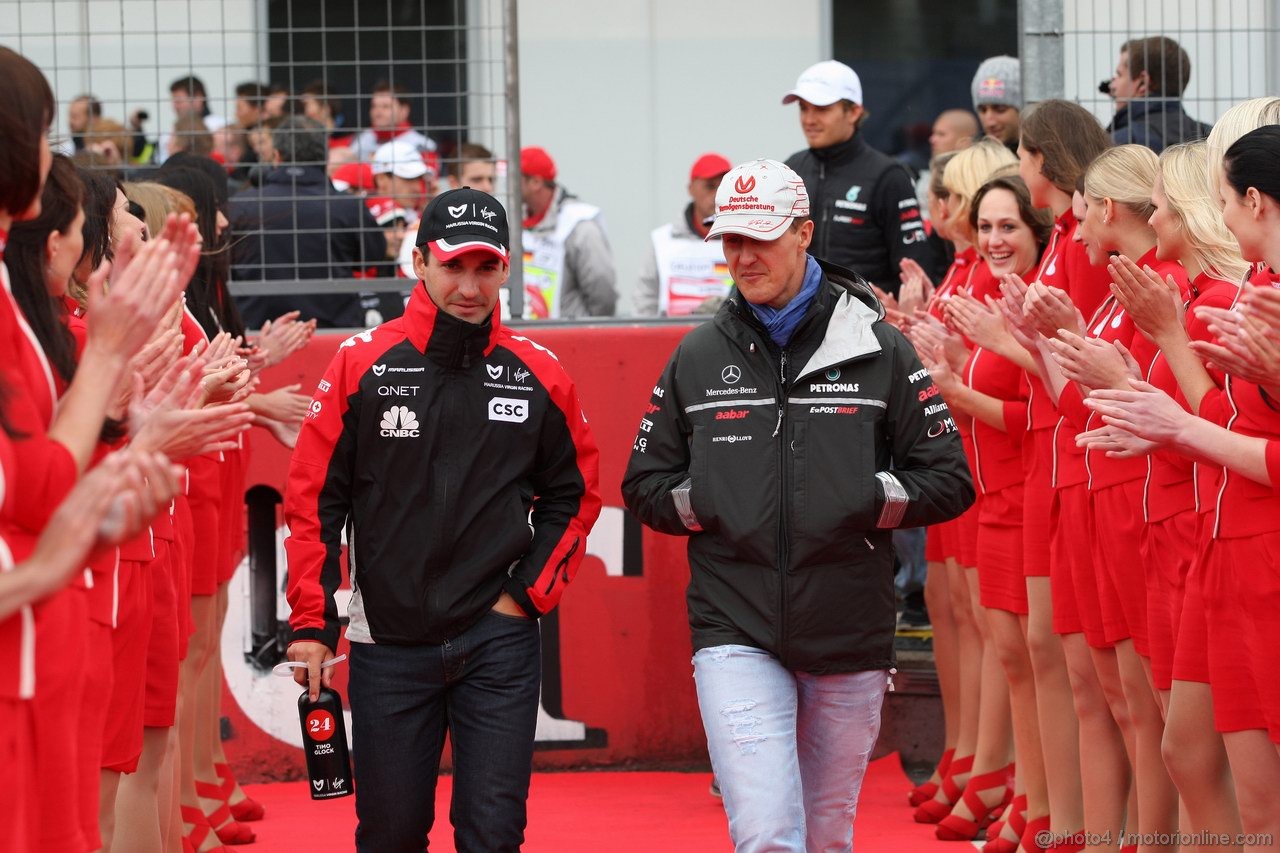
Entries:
{"x":783,"y":476}
{"x":826,"y":212}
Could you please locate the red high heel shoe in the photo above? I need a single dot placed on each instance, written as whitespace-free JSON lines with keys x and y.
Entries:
{"x":1017,"y":822}
{"x":200,"y":829}
{"x":924,"y":792}
{"x":932,"y":811}
{"x":956,"y":828}
{"x":248,"y":809}
{"x":1032,"y":833}
{"x":227,"y":828}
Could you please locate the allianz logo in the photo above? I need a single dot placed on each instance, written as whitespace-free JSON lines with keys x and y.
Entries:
{"x":399,"y":422}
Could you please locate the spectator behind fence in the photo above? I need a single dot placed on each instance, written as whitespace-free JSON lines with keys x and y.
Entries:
{"x":568,"y":263}
{"x":866,"y":214}
{"x":191,"y":136}
{"x":683,"y":269}
{"x":80,"y":112}
{"x":953,"y":130}
{"x":1147,"y":87}
{"x":997,"y":98}
{"x":296,"y":226}
{"x":278,"y":103}
{"x":388,"y":120}
{"x":109,"y":138}
{"x":249,"y":104}
{"x":474,"y":167}
{"x":321,"y":104}
{"x":187,"y":95}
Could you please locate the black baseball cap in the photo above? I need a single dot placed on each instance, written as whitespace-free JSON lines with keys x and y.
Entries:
{"x":464,"y":220}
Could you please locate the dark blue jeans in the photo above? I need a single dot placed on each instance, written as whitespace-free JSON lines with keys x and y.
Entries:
{"x":483,"y":689}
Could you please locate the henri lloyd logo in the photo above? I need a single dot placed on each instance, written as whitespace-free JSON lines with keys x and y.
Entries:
{"x":399,"y":422}
{"x":744,"y":185}
{"x":730,"y":375}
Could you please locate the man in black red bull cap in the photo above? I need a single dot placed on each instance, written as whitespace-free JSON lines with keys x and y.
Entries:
{"x":458,"y":461}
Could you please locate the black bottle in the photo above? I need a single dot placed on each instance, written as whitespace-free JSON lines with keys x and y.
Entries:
{"x":324,"y":739}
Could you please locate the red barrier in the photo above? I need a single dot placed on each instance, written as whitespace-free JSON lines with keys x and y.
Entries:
{"x":618,"y":686}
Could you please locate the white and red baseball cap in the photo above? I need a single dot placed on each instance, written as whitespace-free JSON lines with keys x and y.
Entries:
{"x":758,"y":200}
{"x":401,"y":159}
{"x":826,"y":83}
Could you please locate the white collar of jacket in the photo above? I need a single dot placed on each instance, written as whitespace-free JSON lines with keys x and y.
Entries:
{"x":849,"y":329}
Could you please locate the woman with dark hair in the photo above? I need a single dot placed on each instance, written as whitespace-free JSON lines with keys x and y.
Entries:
{"x":42,"y":256}
{"x":1011,"y":235}
{"x":1058,"y":141}
{"x":216,"y":501}
{"x":207,"y":295}
{"x":58,"y":441}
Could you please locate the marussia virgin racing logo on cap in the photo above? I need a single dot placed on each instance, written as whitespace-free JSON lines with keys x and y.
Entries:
{"x":455,"y":212}
{"x":744,"y":185}
{"x":399,"y":422}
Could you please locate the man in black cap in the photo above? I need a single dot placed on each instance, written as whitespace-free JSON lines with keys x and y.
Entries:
{"x":457,"y":459}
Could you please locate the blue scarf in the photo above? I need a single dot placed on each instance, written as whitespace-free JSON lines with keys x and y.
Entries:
{"x":781,"y":323}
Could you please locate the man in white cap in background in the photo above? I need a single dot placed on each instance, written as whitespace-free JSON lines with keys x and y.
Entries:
{"x":866,"y":216}
{"x":683,"y":270}
{"x":787,"y":438}
{"x":997,"y":99}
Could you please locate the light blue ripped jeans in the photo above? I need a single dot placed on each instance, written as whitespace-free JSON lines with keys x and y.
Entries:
{"x":789,"y":749}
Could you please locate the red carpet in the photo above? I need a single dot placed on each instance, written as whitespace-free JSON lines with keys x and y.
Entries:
{"x":623,"y":812}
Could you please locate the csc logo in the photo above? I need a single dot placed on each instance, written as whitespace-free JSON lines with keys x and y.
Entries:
{"x":508,"y":409}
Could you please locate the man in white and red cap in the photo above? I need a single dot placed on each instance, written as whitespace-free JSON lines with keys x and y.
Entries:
{"x":683,"y":272}
{"x":788,"y":438}
{"x":456,"y":456}
{"x":568,"y":263}
{"x":865,"y":212}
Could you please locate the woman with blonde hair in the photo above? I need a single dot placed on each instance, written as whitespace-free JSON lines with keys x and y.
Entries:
{"x":956,"y":645}
{"x":1189,"y":228}
{"x":983,"y":746}
{"x":1117,"y":192}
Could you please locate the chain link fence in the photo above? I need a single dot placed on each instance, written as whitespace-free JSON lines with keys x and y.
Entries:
{"x":1071,"y":49}
{"x":254,"y":83}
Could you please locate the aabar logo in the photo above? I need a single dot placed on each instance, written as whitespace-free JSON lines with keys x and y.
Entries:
{"x":455,"y":212}
{"x":732,"y":415}
{"x":495,"y":370}
{"x":508,"y":409}
{"x":744,"y":185}
{"x":379,"y":369}
{"x":399,"y":422}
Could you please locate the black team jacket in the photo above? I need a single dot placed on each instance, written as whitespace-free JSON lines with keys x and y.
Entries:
{"x":431,"y":441}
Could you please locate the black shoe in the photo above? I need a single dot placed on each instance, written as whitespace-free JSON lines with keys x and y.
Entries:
{"x":913,"y":619}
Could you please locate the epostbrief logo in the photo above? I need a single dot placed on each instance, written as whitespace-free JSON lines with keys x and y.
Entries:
{"x":399,"y":422}
{"x":508,"y":409}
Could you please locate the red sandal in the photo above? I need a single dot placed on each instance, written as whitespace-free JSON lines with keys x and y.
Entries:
{"x":1017,"y":822}
{"x":248,"y":809}
{"x":1036,"y":831}
{"x":924,"y":792}
{"x":200,"y":829}
{"x":228,"y":830}
{"x":956,"y":828}
{"x":932,"y":811}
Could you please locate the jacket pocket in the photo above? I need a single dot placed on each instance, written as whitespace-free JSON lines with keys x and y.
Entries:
{"x":701,"y":492}
{"x":835,"y":488}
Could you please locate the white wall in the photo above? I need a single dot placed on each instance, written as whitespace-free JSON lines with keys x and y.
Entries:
{"x":1229,"y":43}
{"x":625,"y":96}
{"x":127,"y":52}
